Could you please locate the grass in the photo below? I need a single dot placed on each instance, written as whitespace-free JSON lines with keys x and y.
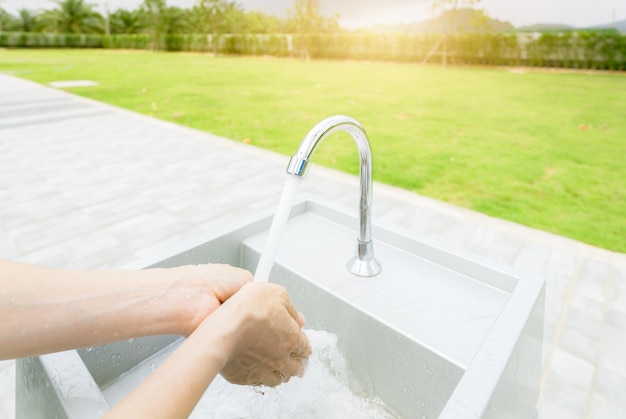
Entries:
{"x":544,"y":149}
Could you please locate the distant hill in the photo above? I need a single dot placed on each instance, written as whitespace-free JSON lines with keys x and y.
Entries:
{"x":544,"y":27}
{"x":472,"y":20}
{"x":461,"y":20}
{"x":620,"y":26}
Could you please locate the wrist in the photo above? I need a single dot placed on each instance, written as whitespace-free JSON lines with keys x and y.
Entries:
{"x":218,"y":336}
{"x":205,"y":288}
{"x":185,"y":297}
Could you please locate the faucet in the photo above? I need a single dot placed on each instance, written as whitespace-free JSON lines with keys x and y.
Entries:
{"x":363,"y":262}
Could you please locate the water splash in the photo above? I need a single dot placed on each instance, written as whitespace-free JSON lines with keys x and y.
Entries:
{"x":323,"y":392}
{"x":279,"y":222}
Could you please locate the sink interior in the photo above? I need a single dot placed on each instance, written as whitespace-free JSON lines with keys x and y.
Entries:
{"x":417,"y":336}
{"x":422,"y":292}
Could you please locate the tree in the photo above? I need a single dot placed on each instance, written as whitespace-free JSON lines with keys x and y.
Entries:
{"x":213,"y":12}
{"x":257,"y":22}
{"x":233,"y":19}
{"x":6,"y":20}
{"x":72,"y":16}
{"x":218,"y":17}
{"x":175,"y":20}
{"x":26,"y":20}
{"x":305,"y":20}
{"x":126,"y":21}
{"x":156,"y":20}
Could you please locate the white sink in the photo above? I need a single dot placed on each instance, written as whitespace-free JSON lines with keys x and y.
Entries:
{"x":437,"y":334}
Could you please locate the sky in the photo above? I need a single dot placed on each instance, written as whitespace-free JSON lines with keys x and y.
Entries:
{"x":363,"y":13}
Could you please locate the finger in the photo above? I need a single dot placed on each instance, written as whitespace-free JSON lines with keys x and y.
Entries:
{"x":284,"y":378}
{"x":298,"y":361}
{"x":301,"y":320}
{"x":291,"y":309}
{"x":303,"y":347}
{"x":295,"y":366}
{"x":273,"y":378}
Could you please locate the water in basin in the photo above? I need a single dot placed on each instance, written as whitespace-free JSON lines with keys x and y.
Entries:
{"x":323,"y":392}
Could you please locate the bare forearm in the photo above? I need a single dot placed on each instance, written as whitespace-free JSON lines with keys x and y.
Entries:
{"x":184,"y":376}
{"x":47,"y":310}
{"x":254,"y":337}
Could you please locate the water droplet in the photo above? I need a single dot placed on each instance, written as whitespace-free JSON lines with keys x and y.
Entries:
{"x":154,"y":366}
{"x":130,"y":340}
{"x":89,"y":349}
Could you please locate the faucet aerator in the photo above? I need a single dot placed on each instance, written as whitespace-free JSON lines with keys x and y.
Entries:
{"x":298,"y":166}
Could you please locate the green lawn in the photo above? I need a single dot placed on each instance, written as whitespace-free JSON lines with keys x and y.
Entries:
{"x":544,"y":149}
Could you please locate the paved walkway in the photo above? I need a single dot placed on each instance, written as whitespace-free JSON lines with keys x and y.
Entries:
{"x":87,"y":185}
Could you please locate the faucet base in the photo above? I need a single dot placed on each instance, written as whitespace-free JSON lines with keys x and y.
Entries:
{"x":363,"y":262}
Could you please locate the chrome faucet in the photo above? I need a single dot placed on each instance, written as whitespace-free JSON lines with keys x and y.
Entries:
{"x":363,"y":262}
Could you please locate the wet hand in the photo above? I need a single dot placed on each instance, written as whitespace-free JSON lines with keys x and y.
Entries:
{"x":271,"y":346}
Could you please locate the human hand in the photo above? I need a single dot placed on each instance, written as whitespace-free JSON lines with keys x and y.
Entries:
{"x":271,"y":346}
{"x":254,"y":337}
{"x":204,"y":288}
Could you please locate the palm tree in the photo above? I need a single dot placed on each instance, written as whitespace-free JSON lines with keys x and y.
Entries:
{"x":306,"y":19}
{"x":257,"y":22}
{"x":73,"y":16}
{"x":155,"y":12}
{"x":177,"y":20}
{"x":233,"y":17}
{"x":213,"y":17}
{"x":125,"y":21}
{"x":6,"y":20}
{"x":26,"y":20}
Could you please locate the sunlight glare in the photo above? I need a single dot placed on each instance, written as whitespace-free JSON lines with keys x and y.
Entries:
{"x":407,"y":13}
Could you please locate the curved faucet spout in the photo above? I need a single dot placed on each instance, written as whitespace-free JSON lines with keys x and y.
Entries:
{"x":363,"y":262}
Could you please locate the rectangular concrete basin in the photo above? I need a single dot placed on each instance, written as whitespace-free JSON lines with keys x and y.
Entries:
{"x":438,"y":334}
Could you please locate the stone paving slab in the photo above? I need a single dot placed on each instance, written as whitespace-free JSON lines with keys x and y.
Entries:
{"x":88,"y":185}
